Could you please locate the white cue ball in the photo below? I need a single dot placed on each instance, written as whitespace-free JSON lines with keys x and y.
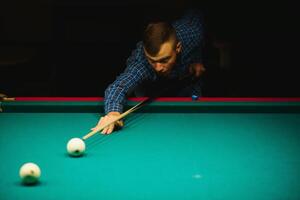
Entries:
{"x":76,"y":147}
{"x":30,"y":173}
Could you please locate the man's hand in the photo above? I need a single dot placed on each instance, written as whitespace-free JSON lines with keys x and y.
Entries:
{"x":109,"y":118}
{"x":197,"y":69}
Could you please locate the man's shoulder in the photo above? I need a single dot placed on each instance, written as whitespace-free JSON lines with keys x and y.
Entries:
{"x":189,"y":28}
{"x":137,"y":55}
{"x":137,"y":62}
{"x":191,"y":17}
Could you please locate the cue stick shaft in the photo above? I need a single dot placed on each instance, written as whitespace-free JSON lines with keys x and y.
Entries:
{"x":9,"y":99}
{"x":128,"y":112}
{"x":134,"y":108}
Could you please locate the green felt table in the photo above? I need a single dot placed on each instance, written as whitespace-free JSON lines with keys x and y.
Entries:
{"x":172,"y":148}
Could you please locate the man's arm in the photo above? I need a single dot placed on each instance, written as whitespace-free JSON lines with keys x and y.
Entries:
{"x":195,"y":21}
{"x":115,"y":98}
{"x":115,"y":94}
{"x":190,"y":31}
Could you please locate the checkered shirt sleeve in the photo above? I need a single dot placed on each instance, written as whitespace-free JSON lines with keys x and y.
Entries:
{"x":137,"y":70}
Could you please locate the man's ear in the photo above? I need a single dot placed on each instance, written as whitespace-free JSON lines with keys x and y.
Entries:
{"x":178,"y":47}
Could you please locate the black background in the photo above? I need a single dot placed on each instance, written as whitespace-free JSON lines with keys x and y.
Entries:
{"x":76,"y":48}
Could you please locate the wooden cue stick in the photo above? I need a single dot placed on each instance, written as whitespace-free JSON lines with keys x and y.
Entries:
{"x":3,"y":97}
{"x":9,"y":99}
{"x":118,"y":118}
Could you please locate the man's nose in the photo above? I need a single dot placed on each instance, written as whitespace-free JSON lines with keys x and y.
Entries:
{"x":158,"y":67}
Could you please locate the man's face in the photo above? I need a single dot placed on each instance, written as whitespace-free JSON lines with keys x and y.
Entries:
{"x":165,"y":60}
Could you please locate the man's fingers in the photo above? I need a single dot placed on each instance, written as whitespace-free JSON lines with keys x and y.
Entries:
{"x":104,"y":131}
{"x":196,"y":70}
{"x":108,"y":119}
{"x":110,"y":129}
{"x":120,"y":123}
{"x":199,"y":71}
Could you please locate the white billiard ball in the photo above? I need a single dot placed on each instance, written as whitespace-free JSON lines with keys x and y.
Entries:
{"x":76,"y":147}
{"x":30,"y":173}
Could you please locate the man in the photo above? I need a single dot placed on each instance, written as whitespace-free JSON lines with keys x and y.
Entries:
{"x":168,"y":52}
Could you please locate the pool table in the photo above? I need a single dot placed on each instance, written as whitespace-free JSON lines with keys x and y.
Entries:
{"x":171,"y":148}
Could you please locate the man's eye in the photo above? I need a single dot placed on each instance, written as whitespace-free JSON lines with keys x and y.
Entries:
{"x":164,"y":61}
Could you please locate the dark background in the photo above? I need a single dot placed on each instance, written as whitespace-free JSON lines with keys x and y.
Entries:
{"x":76,"y":48}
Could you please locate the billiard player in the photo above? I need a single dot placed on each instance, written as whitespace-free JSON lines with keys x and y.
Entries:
{"x":167,"y":53}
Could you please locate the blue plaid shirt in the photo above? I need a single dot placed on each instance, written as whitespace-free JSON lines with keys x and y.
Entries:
{"x":189,"y":31}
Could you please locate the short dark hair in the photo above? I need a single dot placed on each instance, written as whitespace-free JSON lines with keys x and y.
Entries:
{"x":155,"y":35}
